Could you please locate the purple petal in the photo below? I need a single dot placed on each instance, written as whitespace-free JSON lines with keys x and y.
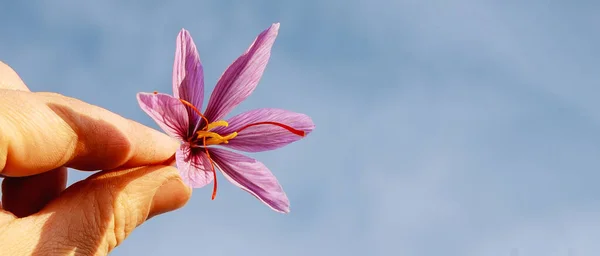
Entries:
{"x":242,"y":76}
{"x":188,"y":74}
{"x":193,"y":165}
{"x":168,"y":112}
{"x":265,"y":137}
{"x":253,"y":177}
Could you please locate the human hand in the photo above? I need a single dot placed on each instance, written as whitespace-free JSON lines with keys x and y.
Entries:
{"x":41,"y":134}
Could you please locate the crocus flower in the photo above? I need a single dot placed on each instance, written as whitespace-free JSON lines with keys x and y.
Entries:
{"x":205,"y":136}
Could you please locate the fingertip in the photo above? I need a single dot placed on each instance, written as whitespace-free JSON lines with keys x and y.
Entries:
{"x":171,"y":196}
{"x":150,"y":146}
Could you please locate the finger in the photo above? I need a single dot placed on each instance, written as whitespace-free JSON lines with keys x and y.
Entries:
{"x":44,"y":131}
{"x":103,"y":210}
{"x":9,"y":79}
{"x":23,"y":196}
{"x":5,"y":216}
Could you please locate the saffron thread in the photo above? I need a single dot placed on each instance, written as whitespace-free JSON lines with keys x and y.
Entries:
{"x":289,"y":128}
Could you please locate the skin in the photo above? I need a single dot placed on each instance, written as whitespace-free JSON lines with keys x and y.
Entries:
{"x":41,"y":134}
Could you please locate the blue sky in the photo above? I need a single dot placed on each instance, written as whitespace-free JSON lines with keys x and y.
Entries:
{"x":443,"y":127}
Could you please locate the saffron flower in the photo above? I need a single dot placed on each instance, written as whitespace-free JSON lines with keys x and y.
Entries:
{"x":205,"y":136}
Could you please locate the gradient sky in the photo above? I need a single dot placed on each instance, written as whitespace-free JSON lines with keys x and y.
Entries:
{"x":467,"y":128}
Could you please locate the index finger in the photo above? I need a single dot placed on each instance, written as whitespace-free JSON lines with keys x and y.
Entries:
{"x":43,"y":131}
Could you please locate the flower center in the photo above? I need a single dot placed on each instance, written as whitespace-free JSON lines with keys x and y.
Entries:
{"x":212,"y":138}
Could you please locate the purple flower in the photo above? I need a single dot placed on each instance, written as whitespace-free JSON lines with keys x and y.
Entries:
{"x":204,"y":136}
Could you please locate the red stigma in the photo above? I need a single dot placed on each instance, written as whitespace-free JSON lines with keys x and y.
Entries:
{"x":212,"y":164}
{"x":195,"y":109}
{"x":287,"y":127}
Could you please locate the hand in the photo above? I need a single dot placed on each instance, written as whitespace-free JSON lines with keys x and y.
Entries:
{"x":43,"y":133}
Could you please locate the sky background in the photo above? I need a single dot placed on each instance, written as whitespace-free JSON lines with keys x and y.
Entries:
{"x":467,"y":128}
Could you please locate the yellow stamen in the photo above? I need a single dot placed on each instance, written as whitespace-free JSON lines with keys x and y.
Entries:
{"x":213,"y":138}
{"x":220,"y":139}
{"x":216,"y":124}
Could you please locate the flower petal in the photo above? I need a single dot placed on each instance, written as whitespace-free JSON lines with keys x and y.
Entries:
{"x":168,"y":112}
{"x":265,"y":137}
{"x":188,"y":74}
{"x":242,"y":76}
{"x":253,"y":177}
{"x":194,"y":166}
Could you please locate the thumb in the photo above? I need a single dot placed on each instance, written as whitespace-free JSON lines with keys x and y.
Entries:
{"x":95,"y":215}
